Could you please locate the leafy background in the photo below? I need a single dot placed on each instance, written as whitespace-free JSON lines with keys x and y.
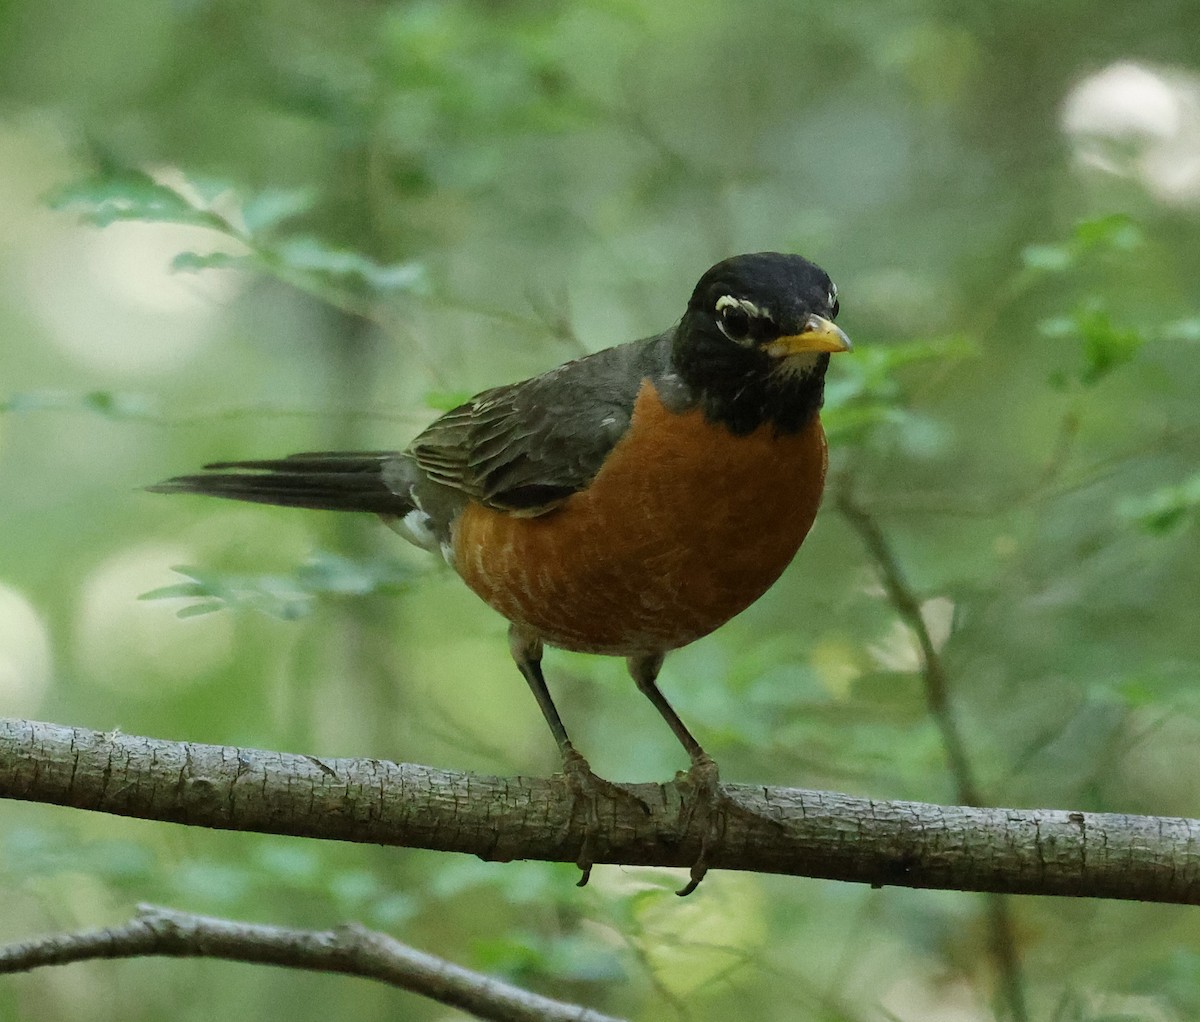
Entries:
{"x":240,"y":230}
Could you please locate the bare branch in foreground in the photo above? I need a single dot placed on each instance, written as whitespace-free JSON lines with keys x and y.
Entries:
{"x":351,"y":950}
{"x":772,"y":830}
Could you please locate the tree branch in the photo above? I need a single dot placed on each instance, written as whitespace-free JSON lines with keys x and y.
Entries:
{"x":1002,"y":943}
{"x":774,"y":830}
{"x":933,"y":673}
{"x":351,"y":950}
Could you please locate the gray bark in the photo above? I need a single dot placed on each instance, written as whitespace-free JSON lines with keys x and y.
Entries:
{"x":768,"y":829}
{"x":350,"y":950}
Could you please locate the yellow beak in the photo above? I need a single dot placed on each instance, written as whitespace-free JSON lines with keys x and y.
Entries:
{"x":819,"y":334}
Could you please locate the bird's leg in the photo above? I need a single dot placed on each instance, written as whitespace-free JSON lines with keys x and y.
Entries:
{"x":703,"y":780}
{"x":585,"y":786}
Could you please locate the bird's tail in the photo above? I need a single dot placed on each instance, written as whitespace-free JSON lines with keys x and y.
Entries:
{"x":323,"y":480}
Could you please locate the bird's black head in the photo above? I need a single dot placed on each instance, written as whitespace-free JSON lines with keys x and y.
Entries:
{"x":756,"y":338}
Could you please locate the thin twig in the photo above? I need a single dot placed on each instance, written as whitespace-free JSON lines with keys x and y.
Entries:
{"x":1002,"y":937}
{"x":933,"y":671}
{"x":350,"y":950}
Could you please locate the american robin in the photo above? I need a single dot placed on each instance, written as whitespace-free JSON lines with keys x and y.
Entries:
{"x":626,"y":503}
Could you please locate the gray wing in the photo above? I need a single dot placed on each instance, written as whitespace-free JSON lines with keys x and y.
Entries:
{"x":523,"y":449}
{"x":526,"y":447}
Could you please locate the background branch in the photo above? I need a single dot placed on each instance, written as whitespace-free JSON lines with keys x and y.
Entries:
{"x":351,"y":950}
{"x":777,"y":830}
{"x":1002,"y":944}
{"x":933,"y":673}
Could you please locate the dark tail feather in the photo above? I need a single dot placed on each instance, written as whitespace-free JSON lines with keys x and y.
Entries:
{"x":326,"y":481}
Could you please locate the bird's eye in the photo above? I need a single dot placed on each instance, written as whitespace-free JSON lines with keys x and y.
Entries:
{"x":836,"y":308}
{"x":734,"y":322}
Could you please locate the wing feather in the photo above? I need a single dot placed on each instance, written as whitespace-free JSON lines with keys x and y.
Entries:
{"x":526,"y":447}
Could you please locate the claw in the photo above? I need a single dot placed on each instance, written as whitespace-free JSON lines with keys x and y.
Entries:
{"x":698,"y":872}
{"x":581,"y":783}
{"x":586,"y":790}
{"x":703,"y":797}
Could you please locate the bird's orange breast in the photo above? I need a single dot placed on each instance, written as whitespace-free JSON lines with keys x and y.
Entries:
{"x":684,"y":526}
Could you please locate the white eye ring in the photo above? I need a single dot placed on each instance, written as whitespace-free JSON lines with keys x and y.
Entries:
{"x":748,"y":307}
{"x":751,"y":310}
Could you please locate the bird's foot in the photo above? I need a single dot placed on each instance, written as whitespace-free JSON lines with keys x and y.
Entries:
{"x":586,"y":790}
{"x":702,"y":799}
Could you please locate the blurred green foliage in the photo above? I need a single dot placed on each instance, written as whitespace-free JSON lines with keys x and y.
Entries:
{"x":244,"y":230}
{"x":285,"y":596}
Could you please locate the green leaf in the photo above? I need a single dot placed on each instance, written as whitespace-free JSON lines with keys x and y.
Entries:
{"x":127,"y":194}
{"x":1187,"y":330}
{"x":1057,"y":327}
{"x":1106,"y":346}
{"x":193,"y":262}
{"x":869,"y":390}
{"x":1163,"y":510}
{"x":1138,"y":692}
{"x":1114,"y":232}
{"x":289,"y":596}
{"x":347,"y":268}
{"x":197,"y":610}
{"x":273,"y":206}
{"x":1048,"y":258}
{"x":176,"y":591}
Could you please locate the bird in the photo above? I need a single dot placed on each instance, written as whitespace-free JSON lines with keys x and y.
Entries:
{"x":625,"y":503}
